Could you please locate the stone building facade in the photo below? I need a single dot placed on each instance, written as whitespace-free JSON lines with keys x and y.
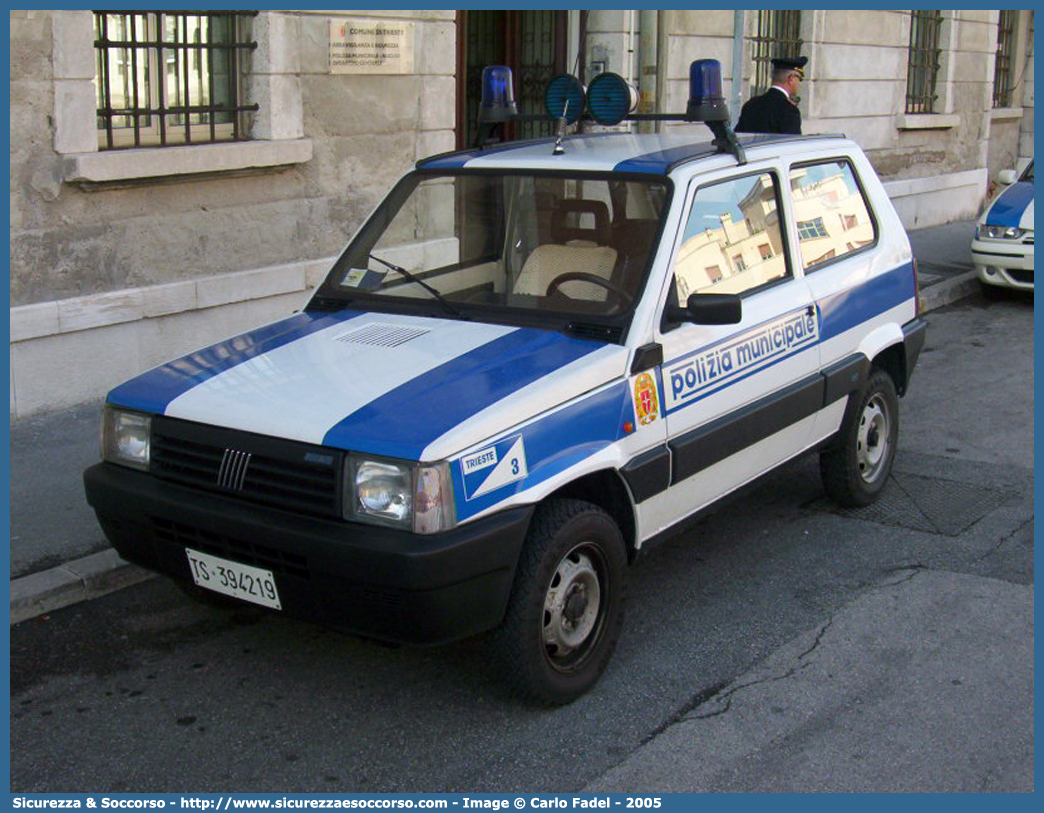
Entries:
{"x":123,"y":258}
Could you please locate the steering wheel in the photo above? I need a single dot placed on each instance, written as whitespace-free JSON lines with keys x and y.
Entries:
{"x":622,"y":296}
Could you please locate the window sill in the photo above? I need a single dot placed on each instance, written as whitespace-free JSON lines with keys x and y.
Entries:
{"x":1005,"y":113}
{"x":926,"y":121}
{"x":120,"y":167}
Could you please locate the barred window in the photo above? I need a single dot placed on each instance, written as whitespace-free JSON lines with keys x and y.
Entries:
{"x":1002,"y":84}
{"x":170,"y":77}
{"x":923,"y":61}
{"x":779,"y":35}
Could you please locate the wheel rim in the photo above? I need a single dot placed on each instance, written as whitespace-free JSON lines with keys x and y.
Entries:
{"x":873,"y":443}
{"x":574,"y":607}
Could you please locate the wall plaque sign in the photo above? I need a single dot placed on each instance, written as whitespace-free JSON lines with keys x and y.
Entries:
{"x":371,"y":46}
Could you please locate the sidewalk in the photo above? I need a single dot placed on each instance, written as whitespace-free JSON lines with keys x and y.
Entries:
{"x":58,"y":553}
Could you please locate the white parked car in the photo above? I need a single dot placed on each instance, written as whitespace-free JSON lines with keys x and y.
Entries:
{"x":1003,"y":244}
{"x":531,"y":361}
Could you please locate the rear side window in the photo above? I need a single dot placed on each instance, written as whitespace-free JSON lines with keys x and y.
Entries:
{"x":833,"y":218}
{"x":732,"y":241}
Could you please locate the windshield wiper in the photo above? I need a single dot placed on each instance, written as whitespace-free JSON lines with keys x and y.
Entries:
{"x":414,"y":278}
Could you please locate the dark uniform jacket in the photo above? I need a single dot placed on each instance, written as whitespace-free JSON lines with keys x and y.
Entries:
{"x":771,"y":112}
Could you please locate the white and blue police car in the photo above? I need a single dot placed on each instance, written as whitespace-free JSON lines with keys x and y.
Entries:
{"x":531,"y":360}
{"x":1003,"y":246}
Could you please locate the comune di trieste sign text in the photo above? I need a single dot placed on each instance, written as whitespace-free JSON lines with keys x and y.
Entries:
{"x":371,"y":46}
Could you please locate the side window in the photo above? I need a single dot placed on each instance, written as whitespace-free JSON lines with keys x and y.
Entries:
{"x":833,"y":219}
{"x":732,"y":240}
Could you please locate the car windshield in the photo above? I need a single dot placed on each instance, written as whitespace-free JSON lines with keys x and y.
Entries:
{"x":471,"y":244}
{"x":1027,"y":174}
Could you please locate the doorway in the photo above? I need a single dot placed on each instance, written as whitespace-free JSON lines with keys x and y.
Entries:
{"x":533,"y":43}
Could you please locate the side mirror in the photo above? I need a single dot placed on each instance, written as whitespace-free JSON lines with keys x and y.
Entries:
{"x":709,"y":309}
{"x":1007,"y":177}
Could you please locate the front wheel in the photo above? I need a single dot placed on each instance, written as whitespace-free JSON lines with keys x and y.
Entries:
{"x":566,"y":607}
{"x":855,"y":470}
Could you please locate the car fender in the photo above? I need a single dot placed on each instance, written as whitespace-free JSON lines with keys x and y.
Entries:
{"x":880,"y":339}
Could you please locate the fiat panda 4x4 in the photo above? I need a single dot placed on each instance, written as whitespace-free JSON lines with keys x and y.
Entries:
{"x":531,"y":360}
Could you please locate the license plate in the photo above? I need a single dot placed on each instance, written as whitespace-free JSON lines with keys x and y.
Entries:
{"x":233,"y":579}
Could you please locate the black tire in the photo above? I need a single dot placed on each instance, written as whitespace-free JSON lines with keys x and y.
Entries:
{"x":855,"y":469}
{"x":567,"y":603}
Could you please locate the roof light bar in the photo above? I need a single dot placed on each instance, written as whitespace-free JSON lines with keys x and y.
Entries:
{"x":610,"y":99}
{"x":565,"y":98}
{"x":498,"y":95}
{"x":706,"y":102}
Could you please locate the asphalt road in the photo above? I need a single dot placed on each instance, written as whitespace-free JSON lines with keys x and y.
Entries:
{"x":144,"y":690}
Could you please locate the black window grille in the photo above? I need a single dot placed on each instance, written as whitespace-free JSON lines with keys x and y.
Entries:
{"x":1002,"y":84}
{"x":171,"y":77}
{"x":923,"y":66}
{"x":779,"y":35}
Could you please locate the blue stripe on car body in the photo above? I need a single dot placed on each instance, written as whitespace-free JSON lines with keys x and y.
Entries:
{"x":837,"y":313}
{"x":846,"y":309}
{"x":430,"y":405}
{"x":154,"y":390}
{"x":556,"y":442}
{"x":456,"y":160}
{"x":1008,"y":208}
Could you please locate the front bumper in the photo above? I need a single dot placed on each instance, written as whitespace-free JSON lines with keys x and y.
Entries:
{"x":1006,"y":263}
{"x":378,"y":582}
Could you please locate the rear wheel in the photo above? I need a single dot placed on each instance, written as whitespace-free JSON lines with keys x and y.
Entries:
{"x":856,"y":469}
{"x":566,"y":607}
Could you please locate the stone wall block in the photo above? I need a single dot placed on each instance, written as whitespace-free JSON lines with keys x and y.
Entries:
{"x":851,"y":99}
{"x":837,"y":62}
{"x":264,"y":282}
{"x":32,"y":321}
{"x":104,"y":309}
{"x":73,"y":38}
{"x":314,"y":52}
{"x":74,"y":104}
{"x":435,"y":47}
{"x":30,"y":47}
{"x":173,"y":297}
{"x":97,"y":361}
{"x":683,"y":50}
{"x":863,"y":27}
{"x":280,"y":113}
{"x":432,"y":142}
{"x":602,"y":21}
{"x":438,"y":104}
{"x":705,"y":23}
{"x":277,"y":36}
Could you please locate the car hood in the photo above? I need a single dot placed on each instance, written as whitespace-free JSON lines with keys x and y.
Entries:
{"x":403,"y":386}
{"x":1013,"y":207}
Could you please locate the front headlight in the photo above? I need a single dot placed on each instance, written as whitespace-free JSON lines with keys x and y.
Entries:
{"x":126,"y":437}
{"x":988,"y":232}
{"x":399,"y":493}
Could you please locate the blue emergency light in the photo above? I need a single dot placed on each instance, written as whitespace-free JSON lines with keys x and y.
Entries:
{"x":610,"y":98}
{"x":564,"y":97}
{"x":498,"y":95}
{"x":706,"y":102}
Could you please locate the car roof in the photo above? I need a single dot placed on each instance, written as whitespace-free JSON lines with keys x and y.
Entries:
{"x":650,"y":154}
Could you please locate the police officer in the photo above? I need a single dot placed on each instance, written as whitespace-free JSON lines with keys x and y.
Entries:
{"x":775,"y":111}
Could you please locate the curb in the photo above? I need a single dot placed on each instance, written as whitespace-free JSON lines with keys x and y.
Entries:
{"x":949,"y":291}
{"x":102,"y":573}
{"x":81,"y":579}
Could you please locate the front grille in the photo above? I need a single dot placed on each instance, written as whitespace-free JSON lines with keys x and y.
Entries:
{"x":227,"y":547}
{"x":1025,"y":277}
{"x":296,"y":476}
